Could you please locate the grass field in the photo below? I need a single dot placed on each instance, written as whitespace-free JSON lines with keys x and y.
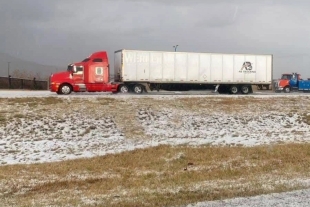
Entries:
{"x":163,"y":151}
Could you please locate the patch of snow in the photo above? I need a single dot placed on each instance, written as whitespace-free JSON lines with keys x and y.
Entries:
{"x":299,"y":198}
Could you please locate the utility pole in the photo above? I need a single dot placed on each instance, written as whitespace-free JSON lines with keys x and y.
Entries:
{"x":175,"y":47}
{"x":9,"y":69}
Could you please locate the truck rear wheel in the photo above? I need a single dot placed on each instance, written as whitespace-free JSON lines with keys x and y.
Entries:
{"x":245,"y":89}
{"x":234,"y":89}
{"x":138,"y":88}
{"x":123,"y":89}
{"x":64,"y":89}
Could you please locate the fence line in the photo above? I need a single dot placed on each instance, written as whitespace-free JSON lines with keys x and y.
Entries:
{"x":20,"y":83}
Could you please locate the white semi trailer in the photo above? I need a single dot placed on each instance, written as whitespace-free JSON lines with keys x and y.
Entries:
{"x":225,"y":73}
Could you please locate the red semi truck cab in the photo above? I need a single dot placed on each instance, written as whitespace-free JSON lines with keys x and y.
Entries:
{"x":91,"y":74}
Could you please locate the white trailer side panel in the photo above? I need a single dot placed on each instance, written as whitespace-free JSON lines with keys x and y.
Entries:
{"x":238,"y":63}
{"x":228,"y":68}
{"x":269,"y":68}
{"x":156,"y":66}
{"x":205,"y":68}
{"x":181,"y":67}
{"x":250,"y":77}
{"x":193,"y":64}
{"x":129,"y":66}
{"x":180,"y":74}
{"x":168,"y":67}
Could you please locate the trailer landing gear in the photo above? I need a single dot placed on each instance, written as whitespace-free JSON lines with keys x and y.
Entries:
{"x":216,"y":88}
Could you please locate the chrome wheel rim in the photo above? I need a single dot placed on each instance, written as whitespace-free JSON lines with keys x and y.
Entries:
{"x":245,"y":90}
{"x":124,"y":89}
{"x":65,"y":89}
{"x":234,"y":89}
{"x":138,"y":89}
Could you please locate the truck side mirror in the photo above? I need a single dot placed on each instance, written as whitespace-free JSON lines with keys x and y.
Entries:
{"x":74,"y":70}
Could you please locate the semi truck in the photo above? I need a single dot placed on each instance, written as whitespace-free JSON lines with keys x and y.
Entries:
{"x":139,"y":71}
{"x":291,"y":82}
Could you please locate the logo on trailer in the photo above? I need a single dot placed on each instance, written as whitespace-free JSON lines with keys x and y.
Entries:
{"x":247,"y":66}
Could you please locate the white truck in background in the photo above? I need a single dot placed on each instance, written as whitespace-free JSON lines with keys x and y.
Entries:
{"x":177,"y":71}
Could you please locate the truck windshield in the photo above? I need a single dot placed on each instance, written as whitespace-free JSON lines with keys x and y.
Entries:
{"x":286,"y":77}
{"x":86,"y":60}
{"x":70,"y":68}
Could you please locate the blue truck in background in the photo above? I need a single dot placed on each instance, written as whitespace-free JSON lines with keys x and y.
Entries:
{"x":292,"y":82}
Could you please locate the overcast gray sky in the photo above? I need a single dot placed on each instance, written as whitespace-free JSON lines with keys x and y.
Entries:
{"x":57,"y":32}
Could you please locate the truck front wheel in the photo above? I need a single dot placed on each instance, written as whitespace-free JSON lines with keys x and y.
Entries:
{"x":64,"y":89}
{"x":287,"y":89}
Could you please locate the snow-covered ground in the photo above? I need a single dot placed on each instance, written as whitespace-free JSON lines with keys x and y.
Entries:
{"x":300,"y":198}
{"x":53,"y":135}
{"x":75,"y":132}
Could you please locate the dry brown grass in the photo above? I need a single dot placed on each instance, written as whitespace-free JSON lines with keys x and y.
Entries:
{"x":203,"y":104}
{"x":159,"y":176}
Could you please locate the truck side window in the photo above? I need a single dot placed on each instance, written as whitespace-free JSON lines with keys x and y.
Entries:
{"x":99,"y":70}
{"x":97,"y":60}
{"x":79,"y":70}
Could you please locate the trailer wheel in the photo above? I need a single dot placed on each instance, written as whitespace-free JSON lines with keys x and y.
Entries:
{"x":138,"y":88}
{"x":234,"y":89}
{"x":245,"y":89}
{"x":123,"y":89}
{"x":65,"y":89}
{"x":287,"y":89}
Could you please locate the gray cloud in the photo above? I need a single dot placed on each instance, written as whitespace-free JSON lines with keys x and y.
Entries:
{"x":58,"y":32}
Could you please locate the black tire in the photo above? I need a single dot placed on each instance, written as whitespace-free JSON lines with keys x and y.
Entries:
{"x":234,"y":89}
{"x":245,"y":89}
{"x":287,"y":89}
{"x":123,"y":89}
{"x":138,"y":89}
{"x":65,"y":89}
